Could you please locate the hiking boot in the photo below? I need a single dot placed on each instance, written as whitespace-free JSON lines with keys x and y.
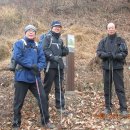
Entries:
{"x":124,"y":113}
{"x":65,"y":112}
{"x":107,"y":111}
{"x":49,"y":125}
{"x":16,"y":128}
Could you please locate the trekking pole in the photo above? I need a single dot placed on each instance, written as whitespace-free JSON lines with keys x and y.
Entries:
{"x":60,"y":93}
{"x":112,"y":80}
{"x":40,"y":100}
{"x":109,"y":83}
{"x":48,"y":66}
{"x":64,"y":87}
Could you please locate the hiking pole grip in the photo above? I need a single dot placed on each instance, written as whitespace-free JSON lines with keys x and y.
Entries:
{"x":48,"y":66}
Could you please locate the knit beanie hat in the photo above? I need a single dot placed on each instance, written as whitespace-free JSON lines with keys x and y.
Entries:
{"x":30,"y":27}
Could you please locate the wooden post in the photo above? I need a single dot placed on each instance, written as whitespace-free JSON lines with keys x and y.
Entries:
{"x":70,"y":42}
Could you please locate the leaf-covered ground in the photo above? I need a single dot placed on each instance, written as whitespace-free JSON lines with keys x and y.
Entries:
{"x":85,"y":110}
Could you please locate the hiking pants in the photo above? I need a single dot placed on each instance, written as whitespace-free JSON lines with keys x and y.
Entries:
{"x":21,"y":89}
{"x":53,"y":76}
{"x":115,"y":76}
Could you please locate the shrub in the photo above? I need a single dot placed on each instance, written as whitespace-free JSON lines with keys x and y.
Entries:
{"x":4,"y":51}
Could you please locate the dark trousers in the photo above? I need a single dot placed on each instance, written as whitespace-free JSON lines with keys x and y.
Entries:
{"x":21,"y":89}
{"x":115,"y":76}
{"x":53,"y":76}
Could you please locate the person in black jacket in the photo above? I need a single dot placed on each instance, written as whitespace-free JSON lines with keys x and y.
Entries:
{"x":54,"y":50}
{"x":113,"y":51}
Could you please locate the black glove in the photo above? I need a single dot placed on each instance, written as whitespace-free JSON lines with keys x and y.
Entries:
{"x":35,"y":70}
{"x":110,"y":55}
{"x":65,"y":51}
{"x":118,"y":56}
{"x":57,"y":58}
{"x":106,"y":55}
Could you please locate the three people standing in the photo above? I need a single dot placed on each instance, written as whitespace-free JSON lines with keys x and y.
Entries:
{"x":30,"y":61}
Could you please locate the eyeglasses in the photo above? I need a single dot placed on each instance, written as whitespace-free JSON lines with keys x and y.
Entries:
{"x":31,"y":30}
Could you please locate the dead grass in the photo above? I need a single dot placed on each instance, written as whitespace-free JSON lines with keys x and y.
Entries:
{"x":5,"y":12}
{"x":4,"y":51}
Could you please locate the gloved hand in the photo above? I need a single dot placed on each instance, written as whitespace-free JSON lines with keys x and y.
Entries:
{"x":118,"y":56}
{"x":65,"y":51}
{"x":57,"y":58}
{"x":35,"y":69}
{"x":106,"y":55}
{"x":110,"y":55}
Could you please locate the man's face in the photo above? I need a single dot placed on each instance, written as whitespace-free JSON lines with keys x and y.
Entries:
{"x":31,"y":34}
{"x":57,"y":29}
{"x":111,"y":29}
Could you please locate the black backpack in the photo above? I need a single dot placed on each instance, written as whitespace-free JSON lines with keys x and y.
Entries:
{"x":41,"y":42}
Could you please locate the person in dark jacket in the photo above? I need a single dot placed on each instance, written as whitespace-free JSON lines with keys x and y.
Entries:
{"x":113,"y":51}
{"x":30,"y":61}
{"x":54,"y":51}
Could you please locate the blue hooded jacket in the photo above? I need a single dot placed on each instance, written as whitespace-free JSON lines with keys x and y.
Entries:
{"x":26,"y":56}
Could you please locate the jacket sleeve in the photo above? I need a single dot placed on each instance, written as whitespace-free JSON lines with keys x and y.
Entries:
{"x":41,"y":59}
{"x":18,"y":55}
{"x":47,"y":50}
{"x":101,"y":53}
{"x":123,"y":51}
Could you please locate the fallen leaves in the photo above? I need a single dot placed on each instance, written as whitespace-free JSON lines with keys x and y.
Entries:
{"x":85,"y":110}
{"x":85,"y":113}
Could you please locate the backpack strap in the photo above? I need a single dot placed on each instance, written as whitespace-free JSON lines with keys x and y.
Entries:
{"x":36,"y":44}
{"x":47,"y":35}
{"x":50,"y":42}
{"x":25,"y":43}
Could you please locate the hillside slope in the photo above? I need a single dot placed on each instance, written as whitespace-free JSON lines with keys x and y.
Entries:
{"x":85,"y":19}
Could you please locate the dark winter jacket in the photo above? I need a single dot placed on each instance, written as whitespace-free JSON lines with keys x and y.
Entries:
{"x":113,"y":51}
{"x":54,"y":48}
{"x":26,"y":57}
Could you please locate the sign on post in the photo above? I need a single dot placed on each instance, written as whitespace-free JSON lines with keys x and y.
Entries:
{"x":71,"y":42}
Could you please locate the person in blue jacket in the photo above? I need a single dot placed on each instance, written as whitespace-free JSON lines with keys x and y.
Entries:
{"x":30,"y":61}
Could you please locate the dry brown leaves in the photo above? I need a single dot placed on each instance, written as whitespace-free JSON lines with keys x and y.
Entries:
{"x":85,"y":112}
